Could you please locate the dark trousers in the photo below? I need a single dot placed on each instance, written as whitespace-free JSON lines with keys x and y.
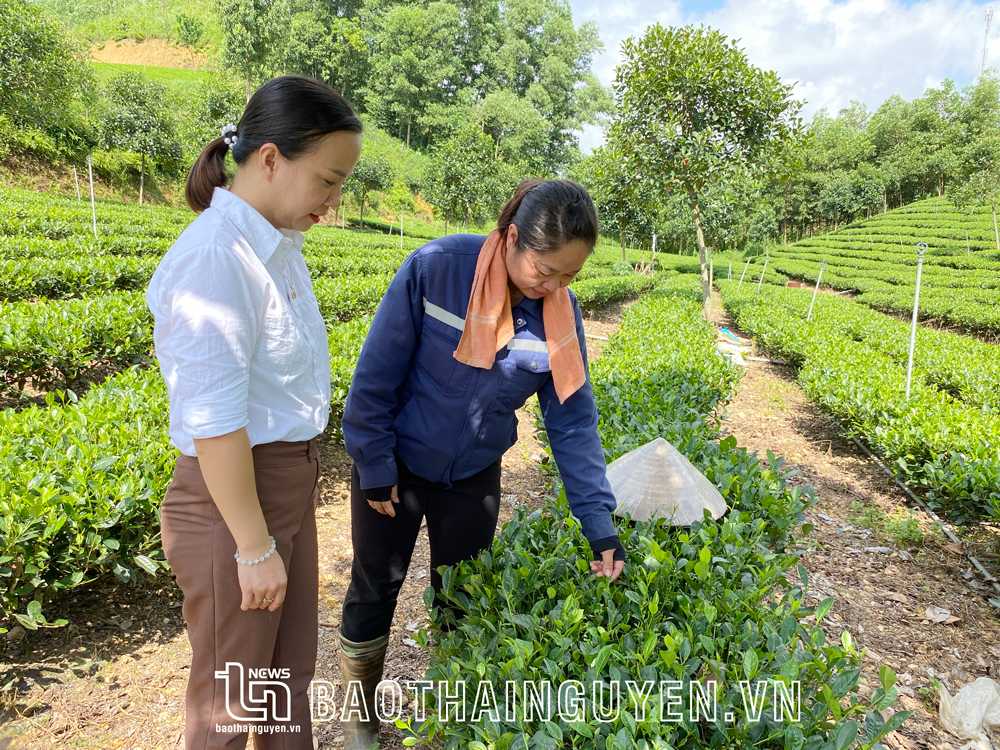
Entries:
{"x":227,"y":642}
{"x":461,"y":522}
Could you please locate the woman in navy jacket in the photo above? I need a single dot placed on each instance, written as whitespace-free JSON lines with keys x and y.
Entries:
{"x":427,"y":432}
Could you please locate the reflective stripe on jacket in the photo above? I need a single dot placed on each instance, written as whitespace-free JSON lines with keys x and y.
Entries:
{"x":448,"y":420}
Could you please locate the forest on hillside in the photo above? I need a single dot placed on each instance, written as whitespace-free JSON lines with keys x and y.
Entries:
{"x":462,"y":99}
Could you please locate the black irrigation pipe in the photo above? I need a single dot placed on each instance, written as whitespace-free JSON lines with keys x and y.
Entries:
{"x":948,"y":531}
{"x":925,"y":507}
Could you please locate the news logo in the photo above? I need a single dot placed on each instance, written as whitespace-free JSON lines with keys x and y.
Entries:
{"x":258,"y":694}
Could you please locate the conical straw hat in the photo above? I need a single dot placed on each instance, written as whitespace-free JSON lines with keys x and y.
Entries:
{"x":656,"y":481}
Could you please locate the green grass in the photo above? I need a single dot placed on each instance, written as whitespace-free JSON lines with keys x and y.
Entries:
{"x":94,"y":22}
{"x":181,"y":83}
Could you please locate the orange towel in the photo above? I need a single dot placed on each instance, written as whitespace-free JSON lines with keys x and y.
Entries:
{"x":489,"y":324}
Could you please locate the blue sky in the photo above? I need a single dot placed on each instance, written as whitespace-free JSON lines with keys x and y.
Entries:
{"x":837,"y":51}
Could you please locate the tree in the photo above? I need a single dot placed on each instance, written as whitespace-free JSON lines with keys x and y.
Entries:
{"x":415,"y":65}
{"x":466,"y":180}
{"x":219,"y":99}
{"x":674,"y":222}
{"x":137,"y":119}
{"x":432,"y":61}
{"x":693,"y":107}
{"x":545,"y":59}
{"x":251,"y":30}
{"x":328,"y":48}
{"x":40,"y":71}
{"x":981,"y":183}
{"x":520,"y":134}
{"x":620,"y":193}
{"x":763,"y":227}
{"x":372,"y":172}
{"x":842,"y":142}
{"x":189,"y":32}
{"x":837,"y":199}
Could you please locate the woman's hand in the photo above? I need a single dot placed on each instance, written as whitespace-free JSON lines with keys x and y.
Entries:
{"x":609,"y":557}
{"x":385,"y":507}
{"x":607,"y":566}
{"x":265,"y":580}
{"x":226,"y":463}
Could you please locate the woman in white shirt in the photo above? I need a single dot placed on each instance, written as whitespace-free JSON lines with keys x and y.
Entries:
{"x":243,"y":350}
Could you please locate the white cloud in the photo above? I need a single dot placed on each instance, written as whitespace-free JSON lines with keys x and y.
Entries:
{"x":836,"y":51}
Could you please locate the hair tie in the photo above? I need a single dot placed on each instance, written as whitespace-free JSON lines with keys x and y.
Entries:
{"x":229,"y":135}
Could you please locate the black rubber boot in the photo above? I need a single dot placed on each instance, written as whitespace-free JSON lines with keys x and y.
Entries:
{"x":362,"y":662}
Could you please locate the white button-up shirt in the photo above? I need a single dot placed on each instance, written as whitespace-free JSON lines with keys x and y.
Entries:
{"x":238,"y":332}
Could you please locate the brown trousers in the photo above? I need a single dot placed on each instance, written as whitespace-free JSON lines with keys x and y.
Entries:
{"x":226,"y":642}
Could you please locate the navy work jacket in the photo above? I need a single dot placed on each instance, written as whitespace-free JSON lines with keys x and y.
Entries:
{"x":448,"y":420}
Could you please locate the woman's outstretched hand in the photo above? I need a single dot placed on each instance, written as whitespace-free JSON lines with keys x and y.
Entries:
{"x":607,"y":566}
{"x":609,"y":557}
{"x":385,"y":508}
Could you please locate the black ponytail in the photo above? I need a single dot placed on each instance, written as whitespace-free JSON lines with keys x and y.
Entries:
{"x":207,"y":173}
{"x":292,"y":112}
{"x":549,"y":214}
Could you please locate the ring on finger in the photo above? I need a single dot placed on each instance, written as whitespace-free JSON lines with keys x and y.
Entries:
{"x":268,"y":601}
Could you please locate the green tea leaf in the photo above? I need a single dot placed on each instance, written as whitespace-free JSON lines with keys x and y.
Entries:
{"x":823,"y":608}
{"x":846,"y":734}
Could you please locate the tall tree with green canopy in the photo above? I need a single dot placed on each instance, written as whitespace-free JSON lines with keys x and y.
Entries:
{"x":252,"y":30}
{"x":981,"y":182}
{"x":520,"y":134}
{"x":138,"y":120}
{"x":547,"y":60}
{"x":372,"y":172}
{"x":40,"y":70}
{"x":466,"y":179}
{"x":620,"y":193}
{"x":415,"y":64}
{"x":699,"y":114}
{"x":330,"y":48}
{"x":840,"y":142}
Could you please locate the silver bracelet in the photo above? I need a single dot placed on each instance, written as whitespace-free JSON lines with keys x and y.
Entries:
{"x":241,"y":561}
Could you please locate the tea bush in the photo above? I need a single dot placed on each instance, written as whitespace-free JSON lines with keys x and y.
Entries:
{"x":693,"y":604}
{"x":962,"y":366}
{"x":876,"y":260}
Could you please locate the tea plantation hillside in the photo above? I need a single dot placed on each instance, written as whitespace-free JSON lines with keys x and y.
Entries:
{"x":852,"y":351}
{"x":876,"y":261}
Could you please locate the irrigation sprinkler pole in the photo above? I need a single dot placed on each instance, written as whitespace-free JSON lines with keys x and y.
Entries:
{"x":822,"y":265}
{"x":729,"y":275}
{"x":761,"y":280}
{"x":93,"y":209}
{"x":400,"y":229}
{"x":77,"y":182}
{"x":921,"y":249}
{"x":744,"y":274}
